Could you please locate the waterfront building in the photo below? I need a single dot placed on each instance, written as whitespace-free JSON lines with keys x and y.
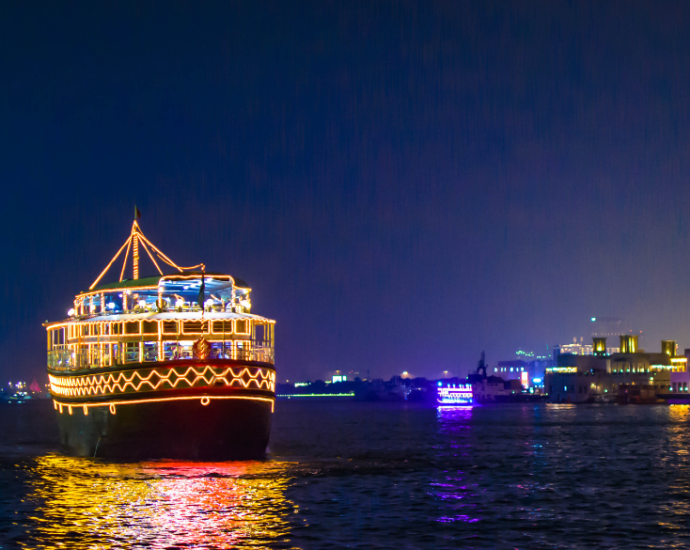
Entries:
{"x":680,"y":382}
{"x":531,"y":356}
{"x":605,"y":377}
{"x":530,"y":374}
{"x":579,"y":348}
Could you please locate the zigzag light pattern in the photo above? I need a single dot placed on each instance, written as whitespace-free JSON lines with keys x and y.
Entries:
{"x":118,"y":383}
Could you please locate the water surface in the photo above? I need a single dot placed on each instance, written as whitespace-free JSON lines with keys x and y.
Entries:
{"x":352,"y":475}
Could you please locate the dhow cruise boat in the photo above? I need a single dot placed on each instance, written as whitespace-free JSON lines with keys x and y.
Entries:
{"x":171,"y":366}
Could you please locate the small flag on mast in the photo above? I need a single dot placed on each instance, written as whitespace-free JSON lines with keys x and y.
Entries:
{"x":137,"y":214}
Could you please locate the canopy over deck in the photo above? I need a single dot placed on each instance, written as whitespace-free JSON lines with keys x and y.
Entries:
{"x":185,"y":289}
{"x":211,"y":279}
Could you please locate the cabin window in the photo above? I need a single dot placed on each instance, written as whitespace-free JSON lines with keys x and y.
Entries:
{"x":115,"y":350}
{"x":169,"y":327}
{"x":170,"y":351}
{"x":150,"y":351}
{"x":242,"y":326}
{"x":132,"y":327}
{"x":132,"y":352}
{"x":95,"y":330}
{"x":242,"y":350}
{"x":105,"y":328}
{"x":222,"y":327}
{"x":191,"y":327}
{"x":150,"y":327}
{"x":57,"y":336}
{"x":116,"y":328}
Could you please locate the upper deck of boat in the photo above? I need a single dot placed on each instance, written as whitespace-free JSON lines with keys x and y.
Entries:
{"x":158,"y":317}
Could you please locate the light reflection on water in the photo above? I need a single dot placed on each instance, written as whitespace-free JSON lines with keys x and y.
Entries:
{"x":83,"y":503}
{"x":452,"y":489}
{"x":384,"y":475}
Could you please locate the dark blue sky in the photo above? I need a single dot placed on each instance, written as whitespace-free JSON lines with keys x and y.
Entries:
{"x":403,"y":184}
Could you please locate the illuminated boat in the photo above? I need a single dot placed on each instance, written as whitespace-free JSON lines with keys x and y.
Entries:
{"x":170,"y":366}
{"x":455,"y":395}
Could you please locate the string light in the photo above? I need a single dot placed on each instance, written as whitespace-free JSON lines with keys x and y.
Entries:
{"x":109,"y":384}
{"x":113,"y":404}
{"x":124,"y":264}
{"x":111,"y":263}
{"x":143,"y":243}
{"x":135,"y":256}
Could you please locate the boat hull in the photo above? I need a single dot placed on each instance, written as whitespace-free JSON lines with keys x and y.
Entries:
{"x":185,"y":429}
{"x":211,"y":410}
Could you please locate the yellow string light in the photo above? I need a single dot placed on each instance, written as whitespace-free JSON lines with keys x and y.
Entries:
{"x":108,"y":384}
{"x":111,"y":263}
{"x":143,"y":243}
{"x":135,"y":258}
{"x":113,"y":404}
{"x":124,"y":264}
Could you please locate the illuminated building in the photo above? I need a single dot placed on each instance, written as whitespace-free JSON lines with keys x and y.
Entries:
{"x":607,"y":377}
{"x":522,"y":371}
{"x":173,"y":365}
{"x":580,"y":348}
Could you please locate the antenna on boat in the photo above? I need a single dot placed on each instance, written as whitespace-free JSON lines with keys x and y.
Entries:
{"x":136,"y":237}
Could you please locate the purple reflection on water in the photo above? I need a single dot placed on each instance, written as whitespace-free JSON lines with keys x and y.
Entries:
{"x":466,"y":519}
{"x":454,"y":496}
{"x":452,"y":417}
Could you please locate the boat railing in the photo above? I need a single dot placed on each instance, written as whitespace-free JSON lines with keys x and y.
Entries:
{"x":66,"y":358}
{"x":152,"y":308}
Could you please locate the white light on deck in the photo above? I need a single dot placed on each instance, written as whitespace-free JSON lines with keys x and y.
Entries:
{"x":70,"y":312}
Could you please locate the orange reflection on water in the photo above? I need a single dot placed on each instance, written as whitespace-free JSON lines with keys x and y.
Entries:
{"x":83,"y":503}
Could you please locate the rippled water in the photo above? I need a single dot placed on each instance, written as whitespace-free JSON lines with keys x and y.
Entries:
{"x":369,"y":476}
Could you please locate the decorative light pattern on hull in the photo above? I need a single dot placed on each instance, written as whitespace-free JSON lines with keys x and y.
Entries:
{"x":162,"y":379}
{"x":455,"y":395}
{"x":112,"y":405}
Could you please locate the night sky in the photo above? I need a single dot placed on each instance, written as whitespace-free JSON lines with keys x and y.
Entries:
{"x":403,"y":185}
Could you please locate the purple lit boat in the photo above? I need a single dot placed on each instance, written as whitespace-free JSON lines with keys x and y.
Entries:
{"x":455,"y":395}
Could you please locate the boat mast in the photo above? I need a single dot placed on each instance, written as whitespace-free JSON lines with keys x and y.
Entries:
{"x":136,"y":237}
{"x":135,"y":251}
{"x":135,"y":245}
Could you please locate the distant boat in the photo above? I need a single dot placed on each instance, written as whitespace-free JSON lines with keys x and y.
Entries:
{"x":171,"y":366}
